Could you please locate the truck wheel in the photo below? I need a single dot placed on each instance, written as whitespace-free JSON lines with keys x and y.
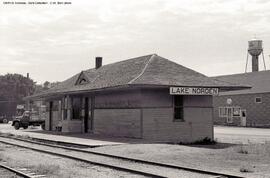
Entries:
{"x":43,"y":126}
{"x":16,"y":125}
{"x":5,"y":121}
{"x":25,"y":126}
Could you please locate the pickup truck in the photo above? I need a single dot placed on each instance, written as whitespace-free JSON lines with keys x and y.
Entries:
{"x":3,"y":119}
{"x":28,"y":119}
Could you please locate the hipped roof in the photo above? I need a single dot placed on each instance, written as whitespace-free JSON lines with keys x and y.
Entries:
{"x":150,"y":70}
{"x":259,"y":81}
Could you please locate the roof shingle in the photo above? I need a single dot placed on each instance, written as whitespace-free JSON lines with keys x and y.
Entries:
{"x":145,"y":70}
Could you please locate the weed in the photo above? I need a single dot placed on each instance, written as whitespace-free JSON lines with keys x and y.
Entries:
{"x":135,"y":151}
{"x":205,"y":141}
{"x":246,"y":169}
{"x":23,"y":136}
{"x":9,"y":134}
{"x":47,"y":169}
{"x":242,"y":150}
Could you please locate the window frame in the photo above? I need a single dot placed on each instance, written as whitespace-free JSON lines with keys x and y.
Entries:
{"x":258,"y":97}
{"x":234,"y":111}
{"x":220,"y":114}
{"x":79,"y":107}
{"x":181,"y":119}
{"x":226,"y":113}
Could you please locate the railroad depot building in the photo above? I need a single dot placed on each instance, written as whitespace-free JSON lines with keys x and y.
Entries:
{"x":147,"y":97}
{"x":249,"y":107}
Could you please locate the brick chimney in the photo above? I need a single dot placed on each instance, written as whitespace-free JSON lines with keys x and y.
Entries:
{"x":98,"y":62}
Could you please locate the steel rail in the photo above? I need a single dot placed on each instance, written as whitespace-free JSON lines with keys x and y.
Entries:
{"x":87,"y":161}
{"x":130,"y":159}
{"x":19,"y":173}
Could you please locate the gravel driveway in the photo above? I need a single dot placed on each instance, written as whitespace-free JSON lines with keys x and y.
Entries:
{"x":243,"y":135}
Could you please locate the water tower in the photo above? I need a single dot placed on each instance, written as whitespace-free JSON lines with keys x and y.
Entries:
{"x":255,"y":49}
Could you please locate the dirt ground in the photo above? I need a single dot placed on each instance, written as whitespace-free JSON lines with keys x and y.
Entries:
{"x":241,"y":134}
{"x":53,"y":166}
{"x":240,"y":151}
{"x":226,"y":158}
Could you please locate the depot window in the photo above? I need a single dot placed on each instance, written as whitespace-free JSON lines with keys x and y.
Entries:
{"x":258,"y":99}
{"x":223,"y":112}
{"x":178,"y":108}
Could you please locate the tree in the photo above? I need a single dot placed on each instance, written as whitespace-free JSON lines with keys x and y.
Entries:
{"x":45,"y":86}
{"x":13,"y":87}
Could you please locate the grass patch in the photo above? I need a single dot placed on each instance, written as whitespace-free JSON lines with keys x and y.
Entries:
{"x":242,"y":149}
{"x":46,"y":169}
{"x":1,"y":156}
{"x":10,"y":134}
{"x":246,"y":169}
{"x":135,"y":151}
{"x":22,"y":136}
{"x":205,"y":141}
{"x":262,"y":149}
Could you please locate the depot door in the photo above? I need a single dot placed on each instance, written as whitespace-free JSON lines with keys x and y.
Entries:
{"x":230,"y":115}
{"x":87,"y":115}
{"x":243,"y":117}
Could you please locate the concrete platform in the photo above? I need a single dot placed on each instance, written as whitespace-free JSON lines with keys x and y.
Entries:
{"x":88,"y":140}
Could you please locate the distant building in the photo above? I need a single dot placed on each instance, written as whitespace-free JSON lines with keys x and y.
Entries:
{"x":147,"y":97}
{"x":250,"y":107}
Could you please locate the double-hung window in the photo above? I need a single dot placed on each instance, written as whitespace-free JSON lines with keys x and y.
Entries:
{"x":178,"y":108}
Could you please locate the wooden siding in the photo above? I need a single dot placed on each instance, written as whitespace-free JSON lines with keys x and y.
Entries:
{"x":159,"y":124}
{"x":198,"y":101}
{"x":200,"y":121}
{"x":74,"y":126}
{"x":156,"y":98}
{"x":118,"y":122}
{"x":118,"y":99}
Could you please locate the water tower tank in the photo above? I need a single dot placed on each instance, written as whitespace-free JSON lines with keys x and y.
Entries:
{"x":255,"y":47}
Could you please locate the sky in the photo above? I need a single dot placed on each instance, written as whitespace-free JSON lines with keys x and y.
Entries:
{"x":54,"y":42}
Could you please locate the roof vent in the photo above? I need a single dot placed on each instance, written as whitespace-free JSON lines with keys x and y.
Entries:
{"x":98,"y":62}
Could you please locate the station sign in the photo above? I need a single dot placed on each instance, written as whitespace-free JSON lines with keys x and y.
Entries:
{"x":193,"y":91}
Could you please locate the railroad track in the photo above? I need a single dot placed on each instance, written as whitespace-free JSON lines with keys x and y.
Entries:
{"x":8,"y":172}
{"x":131,"y":165}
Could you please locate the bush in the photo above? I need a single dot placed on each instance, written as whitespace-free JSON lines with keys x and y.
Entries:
{"x":246,"y":169}
{"x":242,"y":150}
{"x":205,"y":141}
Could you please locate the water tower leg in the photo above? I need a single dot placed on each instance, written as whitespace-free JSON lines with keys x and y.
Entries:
{"x":263,"y":61}
{"x":246,"y":63}
{"x":255,"y":66}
